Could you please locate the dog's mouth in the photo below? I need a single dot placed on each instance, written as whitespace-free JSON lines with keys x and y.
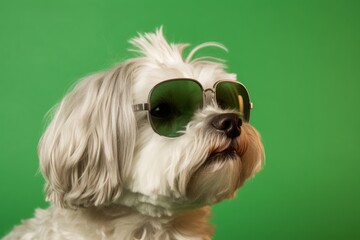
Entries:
{"x":229,"y":152}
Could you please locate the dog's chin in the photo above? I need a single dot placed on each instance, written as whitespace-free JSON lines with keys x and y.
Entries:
{"x":217,"y":178}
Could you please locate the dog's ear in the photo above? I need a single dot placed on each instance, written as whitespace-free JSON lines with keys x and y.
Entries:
{"x":85,"y":149}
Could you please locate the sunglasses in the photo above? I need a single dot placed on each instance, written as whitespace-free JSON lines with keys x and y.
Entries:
{"x":172,"y":103}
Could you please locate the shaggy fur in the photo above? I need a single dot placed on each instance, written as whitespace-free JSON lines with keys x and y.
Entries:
{"x":110,"y":176}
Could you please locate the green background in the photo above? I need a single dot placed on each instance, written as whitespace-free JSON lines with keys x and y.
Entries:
{"x":299,"y":60}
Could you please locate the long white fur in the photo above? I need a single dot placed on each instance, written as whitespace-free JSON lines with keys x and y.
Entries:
{"x":110,"y":176}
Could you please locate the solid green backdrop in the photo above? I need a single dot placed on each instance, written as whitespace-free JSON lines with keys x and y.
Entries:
{"x":299,"y":60}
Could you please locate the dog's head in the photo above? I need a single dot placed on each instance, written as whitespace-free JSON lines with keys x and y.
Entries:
{"x":158,"y":133}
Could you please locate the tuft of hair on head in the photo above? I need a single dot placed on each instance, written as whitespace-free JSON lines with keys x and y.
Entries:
{"x":154,"y":46}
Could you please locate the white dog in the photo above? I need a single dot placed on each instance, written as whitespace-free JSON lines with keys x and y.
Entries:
{"x":142,"y":150}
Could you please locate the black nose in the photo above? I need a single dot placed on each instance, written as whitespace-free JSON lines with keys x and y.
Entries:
{"x":229,"y":123}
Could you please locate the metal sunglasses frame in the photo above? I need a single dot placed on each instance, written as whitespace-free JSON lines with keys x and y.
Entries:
{"x":147,"y":106}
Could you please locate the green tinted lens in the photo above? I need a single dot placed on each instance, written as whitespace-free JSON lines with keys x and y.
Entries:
{"x":173,"y":104}
{"x":233,"y":95}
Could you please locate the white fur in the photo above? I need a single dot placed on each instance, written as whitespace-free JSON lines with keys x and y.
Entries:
{"x":110,"y":176}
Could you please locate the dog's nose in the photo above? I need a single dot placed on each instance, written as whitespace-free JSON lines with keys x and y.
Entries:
{"x":229,"y":123}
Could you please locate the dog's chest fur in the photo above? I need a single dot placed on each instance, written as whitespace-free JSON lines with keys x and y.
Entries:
{"x":115,"y":223}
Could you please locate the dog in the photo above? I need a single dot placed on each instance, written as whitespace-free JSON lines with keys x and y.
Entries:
{"x":141,"y":151}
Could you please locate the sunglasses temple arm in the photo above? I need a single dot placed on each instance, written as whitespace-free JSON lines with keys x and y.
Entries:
{"x":141,"y":107}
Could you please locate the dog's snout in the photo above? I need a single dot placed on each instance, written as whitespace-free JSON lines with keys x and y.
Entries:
{"x":229,"y":123}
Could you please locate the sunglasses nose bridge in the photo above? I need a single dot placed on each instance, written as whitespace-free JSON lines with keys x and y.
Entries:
{"x":209,"y":95}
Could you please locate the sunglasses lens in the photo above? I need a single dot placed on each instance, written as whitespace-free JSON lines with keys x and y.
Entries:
{"x":172,"y":105}
{"x":233,"y":95}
